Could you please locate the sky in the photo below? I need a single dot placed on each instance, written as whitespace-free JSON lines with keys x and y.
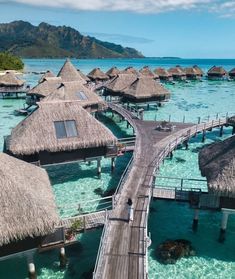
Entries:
{"x":157,"y":28}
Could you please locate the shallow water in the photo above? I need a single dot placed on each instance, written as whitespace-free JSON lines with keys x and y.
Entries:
{"x":73,"y":184}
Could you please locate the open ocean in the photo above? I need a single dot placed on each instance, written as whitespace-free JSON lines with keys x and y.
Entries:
{"x":76,"y":183}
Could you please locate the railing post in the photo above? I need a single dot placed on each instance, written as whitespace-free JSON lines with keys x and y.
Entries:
{"x":184,"y":119}
{"x":84,"y":222}
{"x":181,"y":184}
{"x":169,"y":118}
{"x":199,"y":120}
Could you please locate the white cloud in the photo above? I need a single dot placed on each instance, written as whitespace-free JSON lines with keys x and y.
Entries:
{"x":223,"y":7}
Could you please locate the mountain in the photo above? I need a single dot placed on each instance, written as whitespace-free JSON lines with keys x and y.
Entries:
{"x":47,"y":41}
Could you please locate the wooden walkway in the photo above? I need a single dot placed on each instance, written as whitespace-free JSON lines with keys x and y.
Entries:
{"x":123,"y":249}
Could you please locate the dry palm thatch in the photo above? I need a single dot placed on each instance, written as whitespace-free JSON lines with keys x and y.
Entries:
{"x":48,"y":74}
{"x":96,"y":75}
{"x":27,"y":203}
{"x":199,"y":70}
{"x":162,"y":73}
{"x":113,"y":72}
{"x":69,"y":73}
{"x":37,"y":132}
{"x":119,"y":83}
{"x":86,"y":78}
{"x":130,"y":70}
{"x":176,"y":72}
{"x":217,"y":163}
{"x":145,"y":88}
{"x":232,"y":73}
{"x":145,"y":71}
{"x":217,"y":71}
{"x":11,"y":80}
{"x":46,"y":87}
{"x":192,"y":72}
{"x":75,"y":91}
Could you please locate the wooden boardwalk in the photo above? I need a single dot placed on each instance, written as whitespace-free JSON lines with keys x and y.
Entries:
{"x":123,"y":249}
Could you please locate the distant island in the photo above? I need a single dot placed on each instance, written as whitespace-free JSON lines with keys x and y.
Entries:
{"x":47,"y":41}
{"x":10,"y":62}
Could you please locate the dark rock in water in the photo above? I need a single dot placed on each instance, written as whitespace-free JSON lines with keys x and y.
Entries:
{"x":99,"y":191}
{"x":172,"y":250}
{"x":108,"y":193}
{"x":7,"y":106}
{"x":87,"y":274}
{"x":180,"y":160}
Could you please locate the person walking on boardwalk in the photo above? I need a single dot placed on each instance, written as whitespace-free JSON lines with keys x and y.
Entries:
{"x":130,"y":210}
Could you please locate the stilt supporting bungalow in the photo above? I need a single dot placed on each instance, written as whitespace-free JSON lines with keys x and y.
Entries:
{"x":32,"y":271}
{"x":62,"y":257}
{"x":112,"y":164}
{"x":195,"y":219}
{"x":221,"y":131}
{"x":99,"y":167}
{"x":223,"y":228}
{"x":203,"y":135}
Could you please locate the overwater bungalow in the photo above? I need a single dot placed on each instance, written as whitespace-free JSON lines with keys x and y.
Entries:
{"x":143,"y":90}
{"x":232,"y":73}
{"x":192,"y":73}
{"x":145,"y":71}
{"x":163,"y":74}
{"x":118,"y":84}
{"x":217,"y":73}
{"x":130,"y":70}
{"x":28,"y":210}
{"x":11,"y":84}
{"x":60,"y":132}
{"x":217,"y":164}
{"x":69,"y":73}
{"x":75,"y":91}
{"x":48,"y":74}
{"x":42,"y":89}
{"x":97,"y":75}
{"x":177,"y":73}
{"x":113,"y":72}
{"x":199,"y":70}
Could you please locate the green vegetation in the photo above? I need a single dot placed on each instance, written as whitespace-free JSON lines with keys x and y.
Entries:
{"x":10,"y":62}
{"x":47,"y":41}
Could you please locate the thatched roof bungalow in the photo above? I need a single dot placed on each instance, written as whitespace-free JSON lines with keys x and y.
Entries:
{"x":163,"y":74}
{"x":199,"y":70}
{"x":232,"y":73}
{"x":177,"y":73}
{"x":75,"y":91}
{"x":145,"y":89}
{"x":28,"y":209}
{"x":113,"y":72}
{"x":10,"y":83}
{"x":69,"y":73}
{"x":192,"y":73}
{"x":59,"y":132}
{"x":145,"y":71}
{"x":86,"y":78}
{"x":216,"y":73}
{"x":118,"y":84}
{"x":97,"y":75}
{"x":48,"y":74}
{"x":217,"y":163}
{"x":130,"y":70}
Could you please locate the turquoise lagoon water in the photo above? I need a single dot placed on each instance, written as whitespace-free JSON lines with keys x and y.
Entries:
{"x":76,"y":183}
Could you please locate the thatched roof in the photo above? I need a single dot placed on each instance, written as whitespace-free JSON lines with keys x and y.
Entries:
{"x":145,"y":71}
{"x":27,"y":203}
{"x":69,"y":73}
{"x":10,"y":79}
{"x":145,"y":88}
{"x":75,"y":91}
{"x":97,"y":74}
{"x":199,"y":70}
{"x":113,"y":72}
{"x":37,"y":132}
{"x":48,"y":74}
{"x":217,"y":71}
{"x":191,"y":71}
{"x":176,"y":71}
{"x":120,"y":82}
{"x":46,"y":87}
{"x":232,"y":72}
{"x":86,"y":78}
{"x":130,"y":70}
{"x":217,"y":163}
{"x":162,"y":73}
